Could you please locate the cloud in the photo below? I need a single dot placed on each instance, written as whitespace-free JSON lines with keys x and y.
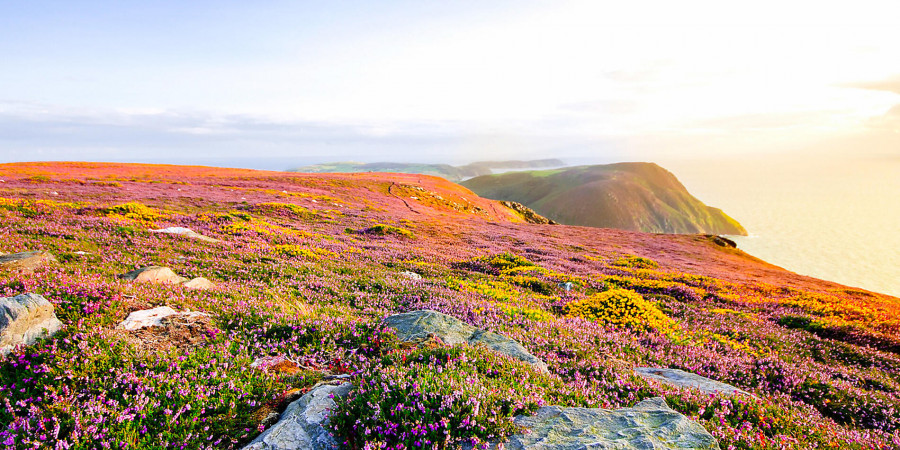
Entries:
{"x":891,"y":84}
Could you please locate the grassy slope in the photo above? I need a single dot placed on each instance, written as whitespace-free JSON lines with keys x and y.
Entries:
{"x":298,"y":275}
{"x":630,"y":196}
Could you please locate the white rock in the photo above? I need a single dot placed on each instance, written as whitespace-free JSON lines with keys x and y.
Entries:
{"x":153,"y":317}
{"x":186,"y":232}
{"x":411,"y":275}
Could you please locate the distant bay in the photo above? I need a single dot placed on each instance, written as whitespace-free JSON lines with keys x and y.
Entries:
{"x":837,"y":220}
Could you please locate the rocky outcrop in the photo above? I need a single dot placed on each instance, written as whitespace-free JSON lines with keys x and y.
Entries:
{"x":165,"y":275}
{"x":156,"y":317}
{"x":25,"y":262}
{"x":24,"y":319}
{"x":186,"y":232}
{"x":418,"y":326}
{"x":682,"y":379}
{"x":649,"y":425}
{"x":527,"y":213}
{"x":302,"y":425}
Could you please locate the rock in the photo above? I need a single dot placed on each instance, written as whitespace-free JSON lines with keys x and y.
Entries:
{"x":411,"y":275}
{"x":154,"y":274}
{"x":25,"y":262}
{"x":154,"y":317}
{"x":417,"y":326}
{"x":186,"y":232}
{"x":198,"y":283}
{"x":302,"y":425}
{"x":721,"y":241}
{"x":24,"y":319}
{"x":527,"y":213}
{"x":682,"y":379}
{"x":650,"y":425}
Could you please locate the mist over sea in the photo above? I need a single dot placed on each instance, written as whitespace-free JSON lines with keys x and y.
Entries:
{"x":837,"y":220}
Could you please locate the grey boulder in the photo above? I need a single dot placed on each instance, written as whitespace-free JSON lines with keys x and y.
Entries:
{"x":24,"y":319}
{"x":682,"y":379}
{"x":649,"y":425}
{"x":302,"y":425}
{"x":418,"y":326}
{"x":25,"y":262}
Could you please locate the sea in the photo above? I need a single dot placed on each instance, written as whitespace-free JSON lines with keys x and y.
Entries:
{"x":836,"y":219}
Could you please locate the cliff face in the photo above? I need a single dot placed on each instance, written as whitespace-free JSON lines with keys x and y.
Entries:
{"x":628,"y":196}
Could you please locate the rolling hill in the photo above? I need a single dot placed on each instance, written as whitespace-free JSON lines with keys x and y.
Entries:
{"x":452,"y":173}
{"x":629,"y":196}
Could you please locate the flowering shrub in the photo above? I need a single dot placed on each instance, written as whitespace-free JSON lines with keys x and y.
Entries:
{"x":620,"y":307}
{"x":134,"y":211}
{"x":308,"y":253}
{"x":438,"y":398}
{"x":384,"y":230}
{"x":635,"y":262}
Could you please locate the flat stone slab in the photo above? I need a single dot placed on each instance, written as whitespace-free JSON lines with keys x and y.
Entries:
{"x":302,"y":425}
{"x":682,"y":379}
{"x":419,"y":326}
{"x":186,"y":232}
{"x":24,"y":319}
{"x":25,"y":262}
{"x":649,"y":425}
{"x":154,"y":317}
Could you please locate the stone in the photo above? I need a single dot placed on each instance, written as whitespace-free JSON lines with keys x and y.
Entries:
{"x":527,"y":213}
{"x":199,"y":283}
{"x":649,"y":425}
{"x":410,"y":275}
{"x":302,"y":425}
{"x":186,"y":232}
{"x":682,"y":379}
{"x":154,"y":317}
{"x":25,"y":262}
{"x":154,"y":274}
{"x":24,"y":319}
{"x":419,"y":326}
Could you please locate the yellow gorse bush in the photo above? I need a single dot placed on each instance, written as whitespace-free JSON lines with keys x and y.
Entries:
{"x":620,"y":307}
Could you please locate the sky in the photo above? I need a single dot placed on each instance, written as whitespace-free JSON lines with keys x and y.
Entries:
{"x":276,"y":84}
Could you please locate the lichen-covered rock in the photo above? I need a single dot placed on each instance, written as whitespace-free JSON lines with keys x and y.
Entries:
{"x":25,"y":262}
{"x":682,"y":379}
{"x":527,"y":213}
{"x":302,"y":425}
{"x":418,"y":326}
{"x":649,"y":425}
{"x":154,"y":274}
{"x":198,"y":283}
{"x":186,"y":232}
{"x":154,"y":317}
{"x":24,"y":319}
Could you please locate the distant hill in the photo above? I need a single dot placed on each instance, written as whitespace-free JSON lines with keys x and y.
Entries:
{"x":452,"y":173}
{"x":629,"y":196}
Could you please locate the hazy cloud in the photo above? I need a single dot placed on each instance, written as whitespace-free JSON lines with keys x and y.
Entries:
{"x":891,"y":84}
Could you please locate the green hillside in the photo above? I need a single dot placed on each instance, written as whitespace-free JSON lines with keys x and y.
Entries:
{"x":629,"y":196}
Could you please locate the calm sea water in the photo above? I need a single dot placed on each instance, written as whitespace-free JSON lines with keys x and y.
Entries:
{"x":834,"y":220}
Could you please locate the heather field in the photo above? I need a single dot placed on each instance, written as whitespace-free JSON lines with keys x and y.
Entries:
{"x":306,"y":266}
